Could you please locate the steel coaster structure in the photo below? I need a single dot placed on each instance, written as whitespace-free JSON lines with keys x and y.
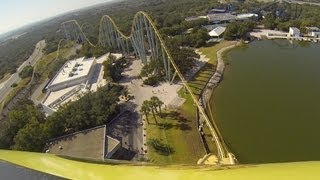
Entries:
{"x":144,"y":41}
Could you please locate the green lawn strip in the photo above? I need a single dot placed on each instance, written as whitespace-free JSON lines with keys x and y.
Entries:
{"x":21,"y":84}
{"x":178,"y":133}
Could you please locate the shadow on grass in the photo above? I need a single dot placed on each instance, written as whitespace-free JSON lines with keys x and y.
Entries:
{"x":160,"y":147}
{"x":181,"y":122}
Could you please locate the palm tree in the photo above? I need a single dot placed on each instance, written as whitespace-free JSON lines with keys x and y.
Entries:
{"x":157,"y":102}
{"x":150,"y":105}
{"x":145,"y":109}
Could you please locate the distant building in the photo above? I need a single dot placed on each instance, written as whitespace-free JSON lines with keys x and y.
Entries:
{"x":192,"y":18}
{"x":313,"y":31}
{"x":212,"y":26}
{"x":217,"y":32}
{"x":221,"y":17}
{"x":294,"y":32}
{"x":247,"y":16}
{"x":216,"y":11}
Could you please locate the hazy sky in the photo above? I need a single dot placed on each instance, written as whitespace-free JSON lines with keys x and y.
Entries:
{"x":16,"y":13}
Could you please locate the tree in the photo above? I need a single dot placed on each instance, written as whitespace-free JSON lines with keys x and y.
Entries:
{"x":26,"y":72}
{"x":30,"y":138}
{"x":145,"y":109}
{"x":157,"y":102}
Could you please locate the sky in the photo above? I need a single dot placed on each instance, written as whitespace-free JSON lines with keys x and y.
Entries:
{"x":17,"y":13}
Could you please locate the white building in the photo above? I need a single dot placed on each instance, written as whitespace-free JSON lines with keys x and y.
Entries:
{"x":217,"y":32}
{"x":294,"y":32}
{"x":247,"y":16}
{"x":71,"y":79}
{"x":73,"y":72}
{"x":313,"y":31}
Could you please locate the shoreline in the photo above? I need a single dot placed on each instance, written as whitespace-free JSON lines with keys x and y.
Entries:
{"x":206,"y":95}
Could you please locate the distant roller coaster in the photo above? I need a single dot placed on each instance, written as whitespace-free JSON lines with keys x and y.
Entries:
{"x":144,"y":40}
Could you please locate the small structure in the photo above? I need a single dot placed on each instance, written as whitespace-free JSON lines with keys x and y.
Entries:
{"x":294,"y":32}
{"x":216,"y":11}
{"x":313,"y":32}
{"x":217,"y":32}
{"x":112,"y":145}
{"x":221,"y":17}
{"x":192,"y":18}
{"x":247,"y":16}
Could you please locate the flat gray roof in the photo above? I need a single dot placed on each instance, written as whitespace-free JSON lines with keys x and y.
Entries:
{"x":73,"y":69}
{"x":221,"y":17}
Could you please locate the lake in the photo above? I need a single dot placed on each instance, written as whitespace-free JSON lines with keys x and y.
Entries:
{"x":268,"y":103}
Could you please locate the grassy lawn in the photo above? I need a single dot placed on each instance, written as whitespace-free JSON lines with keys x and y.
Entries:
{"x":178,"y":135}
{"x":198,"y":82}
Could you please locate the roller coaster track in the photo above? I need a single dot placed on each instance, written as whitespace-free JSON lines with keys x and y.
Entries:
{"x":144,"y":39}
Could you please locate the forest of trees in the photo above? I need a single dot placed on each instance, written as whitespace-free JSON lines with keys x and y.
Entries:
{"x":238,"y":30}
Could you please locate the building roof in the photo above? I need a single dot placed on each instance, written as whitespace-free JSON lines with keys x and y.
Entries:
{"x":111,"y":145}
{"x":212,"y":26}
{"x":192,"y":18}
{"x":314,"y":29}
{"x":294,"y":29}
{"x":221,"y":17}
{"x":217,"y":31}
{"x":88,"y":144}
{"x":73,"y":69}
{"x":246,"y":16}
{"x":217,"y":11}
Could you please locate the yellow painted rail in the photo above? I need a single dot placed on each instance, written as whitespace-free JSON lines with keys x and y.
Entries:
{"x":58,"y":166}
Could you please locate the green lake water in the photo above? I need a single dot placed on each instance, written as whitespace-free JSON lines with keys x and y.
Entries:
{"x":268,"y":103}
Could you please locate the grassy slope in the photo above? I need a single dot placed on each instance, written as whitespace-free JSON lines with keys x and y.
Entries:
{"x":21,"y":84}
{"x":199,"y":81}
{"x":79,"y":170}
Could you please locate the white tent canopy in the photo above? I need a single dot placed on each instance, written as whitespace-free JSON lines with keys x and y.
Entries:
{"x":216,"y":32}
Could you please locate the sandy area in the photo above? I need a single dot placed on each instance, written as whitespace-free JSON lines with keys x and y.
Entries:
{"x":165,"y":92}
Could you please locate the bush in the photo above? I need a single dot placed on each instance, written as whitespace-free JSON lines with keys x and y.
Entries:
{"x":14,"y":85}
{"x":26,"y":72}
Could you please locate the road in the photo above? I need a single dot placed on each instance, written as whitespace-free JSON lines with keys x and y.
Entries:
{"x":32,"y":60}
{"x":302,"y":2}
